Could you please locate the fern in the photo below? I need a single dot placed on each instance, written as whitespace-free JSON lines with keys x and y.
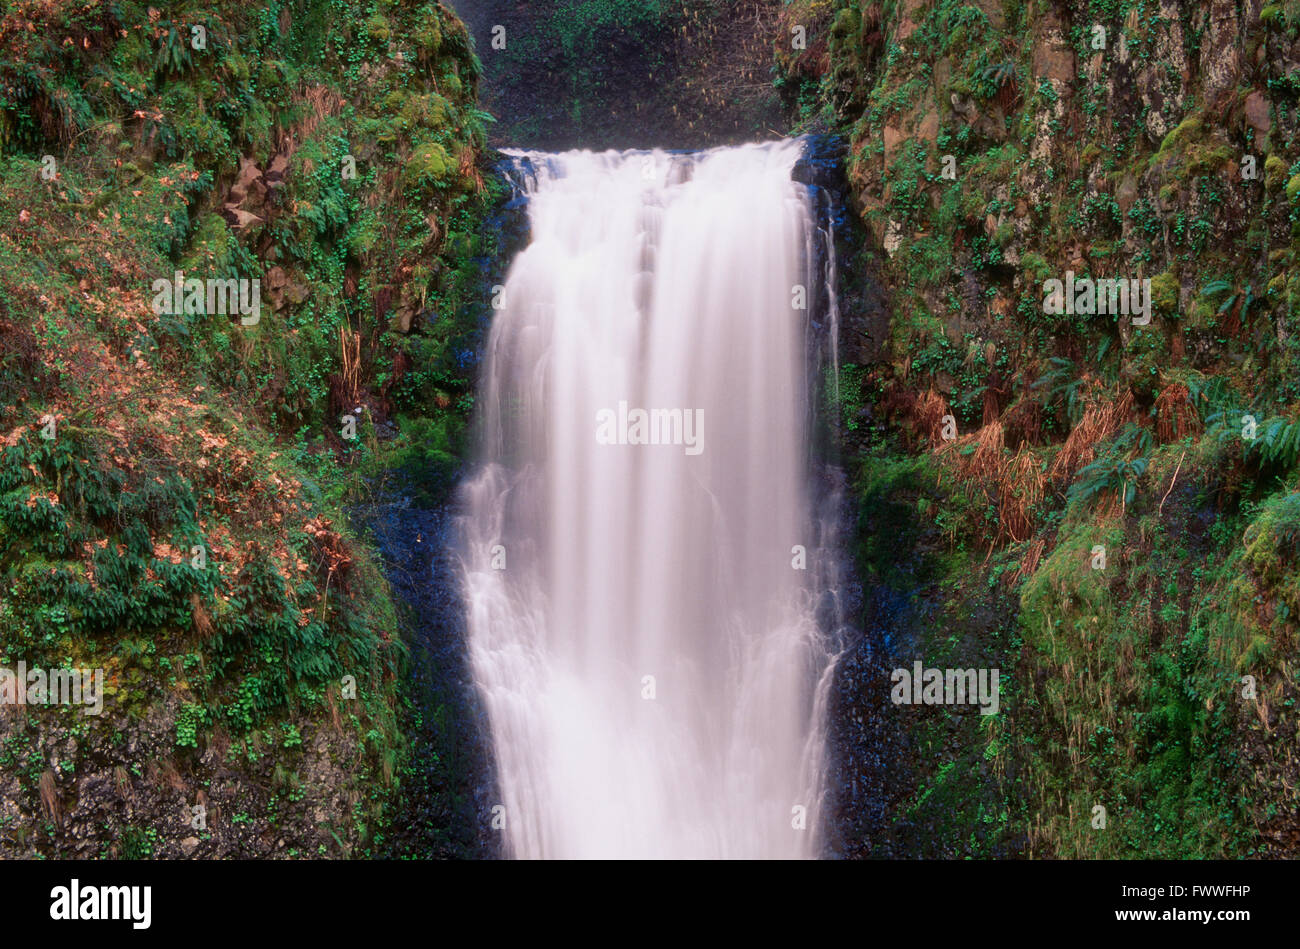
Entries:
{"x":173,"y":52}
{"x":1062,"y":384}
{"x":1246,"y":297}
{"x":1276,"y":441}
{"x":1114,"y":471}
{"x":1208,"y":394}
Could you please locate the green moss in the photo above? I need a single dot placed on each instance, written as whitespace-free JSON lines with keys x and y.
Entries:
{"x":1202,"y":314}
{"x":428,"y":164}
{"x":1208,"y":159}
{"x":1272,"y":545}
{"x":1182,"y":134}
{"x":428,"y":32}
{"x":426,"y":111}
{"x":1275,"y":170}
{"x":1146,"y":358}
{"x":1036,"y":269}
{"x":847,"y":25}
{"x":1164,"y":293}
{"x":378,"y":28}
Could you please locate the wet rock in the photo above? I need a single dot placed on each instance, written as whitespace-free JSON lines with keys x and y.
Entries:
{"x":1257,"y":112}
{"x":1053,"y":58}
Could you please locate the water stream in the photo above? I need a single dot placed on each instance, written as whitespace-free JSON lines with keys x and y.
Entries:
{"x":641,"y":558}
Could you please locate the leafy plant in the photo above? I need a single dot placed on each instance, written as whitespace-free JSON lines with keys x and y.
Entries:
{"x":1117,"y":471}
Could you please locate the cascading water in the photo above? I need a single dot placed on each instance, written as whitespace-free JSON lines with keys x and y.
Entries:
{"x":640,"y":628}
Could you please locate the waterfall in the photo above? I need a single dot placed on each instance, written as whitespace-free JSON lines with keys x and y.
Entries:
{"x":641,"y":630}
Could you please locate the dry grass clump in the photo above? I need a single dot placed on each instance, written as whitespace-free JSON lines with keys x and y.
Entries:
{"x":1104,"y":414}
{"x":1029,"y":561}
{"x":1014,"y":482}
{"x":927,"y":416}
{"x":1022,"y":422}
{"x":51,"y":806}
{"x":1176,"y":418}
{"x":345,"y":385}
{"x":1021,"y":482}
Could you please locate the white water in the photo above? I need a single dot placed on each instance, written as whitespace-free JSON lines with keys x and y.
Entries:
{"x":664,"y":282}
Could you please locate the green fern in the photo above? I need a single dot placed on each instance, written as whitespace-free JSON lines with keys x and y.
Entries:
{"x":1062,"y":383}
{"x":1276,"y":441}
{"x":1246,"y":297}
{"x":1115,"y":471}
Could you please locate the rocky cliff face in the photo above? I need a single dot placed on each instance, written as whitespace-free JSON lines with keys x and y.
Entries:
{"x":1148,"y":140}
{"x":174,"y":480}
{"x":562,"y":74}
{"x":1100,"y":503}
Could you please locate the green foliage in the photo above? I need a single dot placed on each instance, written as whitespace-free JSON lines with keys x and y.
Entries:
{"x":1230,"y":296}
{"x":155,"y":143}
{"x":849,"y":388}
{"x":189,"y":719}
{"x":1277,"y":443}
{"x":138,"y":843}
{"x":1272,"y":444}
{"x":1113,"y":472}
{"x":1062,"y":383}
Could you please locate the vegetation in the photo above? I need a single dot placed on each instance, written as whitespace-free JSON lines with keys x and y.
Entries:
{"x":1110,"y":526}
{"x":174,"y":486}
{"x":1115,"y":525}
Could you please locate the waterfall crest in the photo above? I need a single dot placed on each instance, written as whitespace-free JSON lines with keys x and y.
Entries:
{"x":647,"y":648}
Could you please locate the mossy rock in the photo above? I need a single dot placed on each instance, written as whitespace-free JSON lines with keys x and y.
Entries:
{"x":1164,"y":294}
{"x":378,"y":28}
{"x":427,"y":111}
{"x":428,"y":33}
{"x":1182,"y":134}
{"x":1183,"y":155}
{"x":1146,"y":357}
{"x":1204,"y":160}
{"x":429,"y":164}
{"x":1274,"y":172}
{"x":1272,"y":543}
{"x":1293,"y":189}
